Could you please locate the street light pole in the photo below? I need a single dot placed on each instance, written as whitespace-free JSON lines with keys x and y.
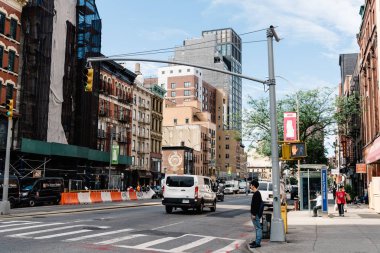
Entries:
{"x":5,"y":205}
{"x":109,"y":168}
{"x":277,"y":233}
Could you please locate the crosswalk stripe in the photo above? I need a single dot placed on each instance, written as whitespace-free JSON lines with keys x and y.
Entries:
{"x":29,"y":227}
{"x":15,"y":221}
{"x":17,"y":224}
{"x":158,"y":241}
{"x":193,"y":244}
{"x":42,"y":231}
{"x":229,"y":247}
{"x":62,"y":234}
{"x":97,"y":235}
{"x":119,"y":239}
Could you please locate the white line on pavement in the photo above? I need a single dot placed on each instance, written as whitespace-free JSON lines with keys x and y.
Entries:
{"x":97,"y":235}
{"x":193,"y":244}
{"x":29,"y":227}
{"x":233,"y":246}
{"x":158,"y":241}
{"x":43,"y":231}
{"x":119,"y":239}
{"x":62,"y":234}
{"x":16,"y":221}
{"x":168,"y":225}
{"x":18,"y":224}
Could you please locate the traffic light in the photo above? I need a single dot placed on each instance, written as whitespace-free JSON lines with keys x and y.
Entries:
{"x":297,"y":150}
{"x":9,"y":107}
{"x":88,"y":79}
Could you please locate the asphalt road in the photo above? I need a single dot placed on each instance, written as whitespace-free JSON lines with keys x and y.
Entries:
{"x":126,"y":229}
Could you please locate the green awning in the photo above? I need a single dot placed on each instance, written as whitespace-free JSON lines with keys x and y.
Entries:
{"x":58,"y":149}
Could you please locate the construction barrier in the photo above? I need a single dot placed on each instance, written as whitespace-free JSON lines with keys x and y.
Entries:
{"x":89,"y":197}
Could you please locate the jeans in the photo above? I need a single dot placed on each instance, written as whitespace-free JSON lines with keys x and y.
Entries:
{"x":315,"y":210}
{"x":341,"y":209}
{"x":259,"y":229}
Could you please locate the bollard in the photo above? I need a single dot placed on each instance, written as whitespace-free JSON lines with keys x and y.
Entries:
{"x":296,"y":204}
{"x":284,"y":216}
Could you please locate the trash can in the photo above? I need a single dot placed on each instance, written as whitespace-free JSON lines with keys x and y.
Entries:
{"x":266,"y":225}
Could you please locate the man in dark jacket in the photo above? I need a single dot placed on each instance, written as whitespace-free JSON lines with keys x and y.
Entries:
{"x":255,"y":214}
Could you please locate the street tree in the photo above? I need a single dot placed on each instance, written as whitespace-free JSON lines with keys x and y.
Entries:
{"x":316,"y":121}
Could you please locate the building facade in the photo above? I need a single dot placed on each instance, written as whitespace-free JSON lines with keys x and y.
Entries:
{"x":221,"y":49}
{"x":10,"y":50}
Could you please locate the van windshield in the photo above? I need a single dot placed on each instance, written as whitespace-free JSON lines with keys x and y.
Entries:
{"x":263,"y":186}
{"x":270,"y":187}
{"x":180,"y":181}
{"x":27,"y":188}
{"x":229,"y":185}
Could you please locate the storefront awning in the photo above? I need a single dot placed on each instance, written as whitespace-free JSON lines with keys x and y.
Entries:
{"x":372,"y":152}
{"x":144,"y":174}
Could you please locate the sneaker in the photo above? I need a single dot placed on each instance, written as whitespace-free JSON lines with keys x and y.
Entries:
{"x":255,"y":246}
{"x":252,"y":243}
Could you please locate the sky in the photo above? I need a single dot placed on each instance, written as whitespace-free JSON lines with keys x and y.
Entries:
{"x":313,"y":33}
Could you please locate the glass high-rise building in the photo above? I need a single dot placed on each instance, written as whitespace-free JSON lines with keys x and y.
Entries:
{"x":219,"y":48}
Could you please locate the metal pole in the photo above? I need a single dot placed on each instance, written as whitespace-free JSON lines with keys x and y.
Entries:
{"x":44,"y":166}
{"x":298,"y":138}
{"x":277,"y":233}
{"x":5,"y":205}
{"x":308,"y":189}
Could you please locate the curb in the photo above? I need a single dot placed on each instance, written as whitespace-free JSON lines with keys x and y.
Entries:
{"x":68,"y":211}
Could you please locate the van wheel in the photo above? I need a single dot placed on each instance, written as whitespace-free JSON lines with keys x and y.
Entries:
{"x":168,"y":209}
{"x":200,"y":208}
{"x":213,"y":208}
{"x":32,"y":202}
{"x":185,"y":209}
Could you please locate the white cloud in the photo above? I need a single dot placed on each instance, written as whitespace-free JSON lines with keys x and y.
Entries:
{"x":163,"y":33}
{"x":148,"y":69}
{"x":326,"y":22}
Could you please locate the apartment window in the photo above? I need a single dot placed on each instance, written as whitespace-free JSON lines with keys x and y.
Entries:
{"x":171,"y":71}
{"x":227,"y":156}
{"x":11,"y":60}
{"x":180,"y":70}
{"x":173,"y":94}
{"x":187,"y":92}
{"x":188,"y":70}
{"x":175,"y":121}
{"x":133,"y":145}
{"x":227,"y":146}
{"x":1,"y":56}
{"x":13,"y":31}
{"x":2,"y":22}
{"x":187,"y":121}
{"x":172,"y":85}
{"x":227,"y":137}
{"x":163,"y":72}
{"x":187,"y":84}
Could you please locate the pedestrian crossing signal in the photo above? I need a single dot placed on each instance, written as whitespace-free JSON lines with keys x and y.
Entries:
{"x":9,"y":107}
{"x":88,"y":79}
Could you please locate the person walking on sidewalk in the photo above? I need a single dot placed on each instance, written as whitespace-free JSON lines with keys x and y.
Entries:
{"x":341,"y":200}
{"x":256,"y":213}
{"x":318,"y":205}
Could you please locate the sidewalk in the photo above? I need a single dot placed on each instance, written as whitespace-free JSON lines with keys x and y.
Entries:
{"x":358,"y":231}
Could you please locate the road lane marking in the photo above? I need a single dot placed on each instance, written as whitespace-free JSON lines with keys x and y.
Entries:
{"x":62,"y":234}
{"x":18,"y":224}
{"x":168,"y":225}
{"x":193,"y":244}
{"x":230,"y":247}
{"x":97,"y":235}
{"x":23,"y":235}
{"x":29,"y":227}
{"x":16,"y":221}
{"x":158,"y":241}
{"x":119,"y":239}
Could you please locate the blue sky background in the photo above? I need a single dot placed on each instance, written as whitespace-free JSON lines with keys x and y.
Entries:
{"x":314,"y":33}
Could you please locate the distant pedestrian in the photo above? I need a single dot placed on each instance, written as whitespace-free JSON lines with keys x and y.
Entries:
{"x":256,"y":213}
{"x":341,"y":200}
{"x":318,"y":204}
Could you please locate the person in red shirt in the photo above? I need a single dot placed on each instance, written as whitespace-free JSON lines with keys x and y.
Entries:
{"x":341,"y":200}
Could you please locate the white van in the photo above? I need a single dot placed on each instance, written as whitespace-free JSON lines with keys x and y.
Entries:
{"x":188,"y":192}
{"x":266,"y":190}
{"x":231,"y":187}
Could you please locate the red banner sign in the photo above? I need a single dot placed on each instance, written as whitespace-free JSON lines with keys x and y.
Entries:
{"x":361,"y":168}
{"x":290,"y":126}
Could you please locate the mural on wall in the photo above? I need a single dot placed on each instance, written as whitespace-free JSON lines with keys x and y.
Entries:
{"x":175,"y":161}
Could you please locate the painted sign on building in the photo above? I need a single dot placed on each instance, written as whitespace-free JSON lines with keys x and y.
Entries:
{"x":361,"y":168}
{"x":290,"y":126}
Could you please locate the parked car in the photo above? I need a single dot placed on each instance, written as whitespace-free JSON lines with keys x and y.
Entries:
{"x":158,"y":191}
{"x":41,"y":190}
{"x":13,"y":190}
{"x":188,"y":192}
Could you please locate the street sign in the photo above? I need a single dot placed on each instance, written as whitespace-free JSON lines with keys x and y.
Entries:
{"x":115,"y":154}
{"x":324,"y":189}
{"x":290,"y":126}
{"x":361,"y":168}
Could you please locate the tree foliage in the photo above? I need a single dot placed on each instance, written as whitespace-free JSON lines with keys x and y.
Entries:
{"x":347,"y":107}
{"x":316,"y":111}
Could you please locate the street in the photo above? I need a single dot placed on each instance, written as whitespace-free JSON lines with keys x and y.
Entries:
{"x":138,"y":229}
